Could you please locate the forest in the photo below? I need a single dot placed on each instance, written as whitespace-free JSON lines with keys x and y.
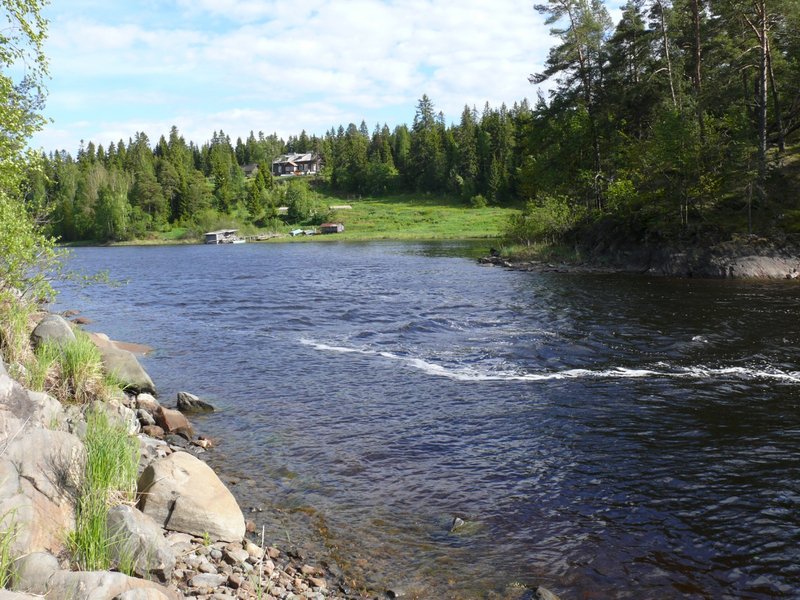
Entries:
{"x":679,"y":123}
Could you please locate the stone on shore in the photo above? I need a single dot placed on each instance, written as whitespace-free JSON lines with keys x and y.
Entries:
{"x":21,"y":409}
{"x":33,"y":571}
{"x":9,"y":595}
{"x":41,"y":473}
{"x":172,"y":421}
{"x":54,"y":329}
{"x":147,"y":402}
{"x":137,"y":538}
{"x":182,"y":493}
{"x":190,"y":403}
{"x":100,"y":585}
{"x":126,"y":368}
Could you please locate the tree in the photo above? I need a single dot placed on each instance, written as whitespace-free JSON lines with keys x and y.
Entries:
{"x":578,"y":59}
{"x":427,"y":157}
{"x":25,"y":252}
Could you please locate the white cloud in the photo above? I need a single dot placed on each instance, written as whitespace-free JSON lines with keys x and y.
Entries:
{"x":227,"y":61}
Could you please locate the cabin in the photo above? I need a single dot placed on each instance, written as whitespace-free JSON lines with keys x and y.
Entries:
{"x":331,"y":228}
{"x":223,"y":236}
{"x":295,"y":163}
{"x":250,"y":170}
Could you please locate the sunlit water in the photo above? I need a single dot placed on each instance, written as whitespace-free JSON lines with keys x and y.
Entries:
{"x":604,"y":436}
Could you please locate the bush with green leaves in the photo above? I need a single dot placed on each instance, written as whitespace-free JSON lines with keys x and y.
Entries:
{"x":543,"y":220}
{"x":300,"y":204}
{"x":478,"y":201}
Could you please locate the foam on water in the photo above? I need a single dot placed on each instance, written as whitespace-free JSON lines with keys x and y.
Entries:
{"x":476,"y":374}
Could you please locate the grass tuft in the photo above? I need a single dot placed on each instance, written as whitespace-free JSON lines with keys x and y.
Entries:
{"x":8,"y":531}
{"x":15,"y":327}
{"x":81,"y":369}
{"x":112,"y":458}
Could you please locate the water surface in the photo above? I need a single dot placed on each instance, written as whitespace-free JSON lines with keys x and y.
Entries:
{"x":606,"y":436}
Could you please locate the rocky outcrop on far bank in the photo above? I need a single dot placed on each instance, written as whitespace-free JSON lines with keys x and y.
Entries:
{"x":737,"y":259}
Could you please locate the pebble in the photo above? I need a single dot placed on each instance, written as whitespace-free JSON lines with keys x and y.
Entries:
{"x":234,"y":555}
{"x":208,"y":580}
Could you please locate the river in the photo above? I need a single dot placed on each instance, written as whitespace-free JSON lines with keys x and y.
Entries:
{"x":605,"y":436}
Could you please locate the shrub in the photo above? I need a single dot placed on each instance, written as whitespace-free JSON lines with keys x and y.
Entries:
{"x":478,"y":201}
{"x":546,"y":220}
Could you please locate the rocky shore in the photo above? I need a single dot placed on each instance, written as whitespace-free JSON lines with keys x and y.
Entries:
{"x":752,"y":258}
{"x":185,"y":537}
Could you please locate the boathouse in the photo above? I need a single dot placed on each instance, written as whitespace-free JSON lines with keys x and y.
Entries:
{"x":223,"y":236}
{"x":331,"y":228}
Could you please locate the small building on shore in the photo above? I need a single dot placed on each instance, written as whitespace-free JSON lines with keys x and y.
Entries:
{"x":223,"y":236}
{"x":331,"y":228}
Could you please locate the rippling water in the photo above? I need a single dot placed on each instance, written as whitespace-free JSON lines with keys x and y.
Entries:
{"x":606,"y":436}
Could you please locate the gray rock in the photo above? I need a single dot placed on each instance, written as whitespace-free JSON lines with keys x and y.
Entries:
{"x":100,"y":585}
{"x":141,"y":594}
{"x":3,"y":370}
{"x":21,"y":410}
{"x":52,"y":328}
{"x":139,"y":541}
{"x":119,"y":414}
{"x":124,"y":366}
{"x":208,"y":580}
{"x":182,"y":493}
{"x":148,"y":402}
{"x":190,"y":403}
{"x":235,"y":556}
{"x":145,"y":417}
{"x":9,"y":595}
{"x":43,"y":471}
{"x":33,"y":571}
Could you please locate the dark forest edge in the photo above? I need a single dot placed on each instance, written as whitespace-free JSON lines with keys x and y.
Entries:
{"x":678,"y":127}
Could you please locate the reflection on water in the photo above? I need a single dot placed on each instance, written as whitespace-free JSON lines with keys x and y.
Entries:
{"x":605,"y":436}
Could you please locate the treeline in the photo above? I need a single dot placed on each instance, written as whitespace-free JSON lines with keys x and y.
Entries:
{"x":674,"y":124}
{"x":126,"y":190}
{"x":677,"y":122}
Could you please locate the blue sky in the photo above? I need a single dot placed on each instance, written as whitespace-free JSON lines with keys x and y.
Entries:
{"x":264,"y":65}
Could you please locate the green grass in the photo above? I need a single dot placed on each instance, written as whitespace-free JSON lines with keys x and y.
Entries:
{"x":414,"y":217}
{"x":112,"y":457}
{"x":397,"y":217}
{"x":39,"y":371}
{"x":15,"y":316}
{"x":8,"y":531}
{"x":81,"y":369}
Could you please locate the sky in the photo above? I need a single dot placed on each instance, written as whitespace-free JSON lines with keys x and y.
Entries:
{"x":121,"y":67}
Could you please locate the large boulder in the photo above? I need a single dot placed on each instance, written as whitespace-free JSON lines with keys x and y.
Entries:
{"x":9,"y":595}
{"x":124,"y":366}
{"x":21,"y":409}
{"x":137,"y":539}
{"x":99,"y":585}
{"x":33,"y":571}
{"x":52,"y":328}
{"x":42,"y":472}
{"x":182,"y":493}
